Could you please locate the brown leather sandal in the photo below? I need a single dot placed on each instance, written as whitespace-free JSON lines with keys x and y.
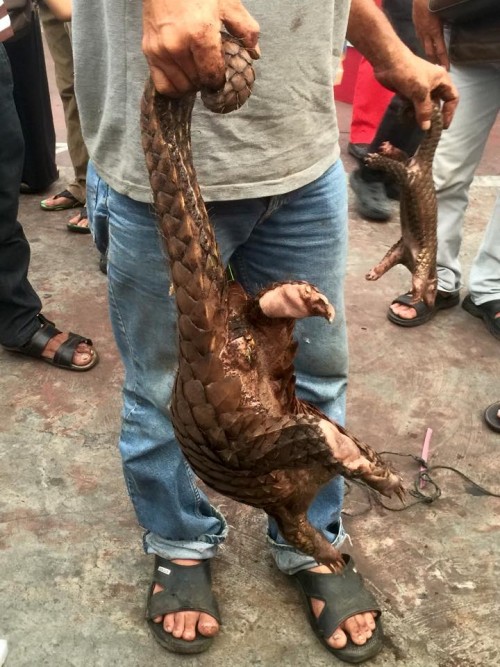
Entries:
{"x":63,"y":357}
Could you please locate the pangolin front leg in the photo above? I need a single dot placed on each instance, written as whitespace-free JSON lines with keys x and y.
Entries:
{"x":355,"y":460}
{"x":295,"y":300}
{"x":396,"y":255}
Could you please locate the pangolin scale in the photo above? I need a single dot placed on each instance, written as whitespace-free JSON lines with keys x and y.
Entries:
{"x":234,"y":408}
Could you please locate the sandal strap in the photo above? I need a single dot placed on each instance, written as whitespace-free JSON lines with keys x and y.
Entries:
{"x":344,"y":595}
{"x":66,"y":194}
{"x":36,"y":344}
{"x":490,"y":308}
{"x":186,"y":588}
{"x":406,"y":300}
{"x":65,"y":352}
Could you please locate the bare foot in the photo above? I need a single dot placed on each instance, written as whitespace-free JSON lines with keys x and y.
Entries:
{"x":59,"y":202}
{"x":409,"y":313}
{"x":81,"y":357}
{"x":79,"y":220}
{"x":183,"y":624}
{"x":359,"y":628}
{"x":405,"y":312}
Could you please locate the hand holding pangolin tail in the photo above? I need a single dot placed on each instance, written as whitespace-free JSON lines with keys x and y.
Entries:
{"x":234,"y":408}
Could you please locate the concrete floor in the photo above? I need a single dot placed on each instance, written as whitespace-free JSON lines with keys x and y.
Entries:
{"x":74,"y":578}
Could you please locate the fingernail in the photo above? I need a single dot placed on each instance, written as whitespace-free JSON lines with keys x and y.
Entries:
{"x":426,"y":125}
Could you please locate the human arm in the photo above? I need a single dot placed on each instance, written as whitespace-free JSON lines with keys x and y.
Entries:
{"x":429,"y":29}
{"x":396,"y":67}
{"x":60,"y":8}
{"x":182,"y":41}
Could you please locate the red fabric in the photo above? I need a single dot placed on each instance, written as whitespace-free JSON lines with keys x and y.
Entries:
{"x":369,"y":103}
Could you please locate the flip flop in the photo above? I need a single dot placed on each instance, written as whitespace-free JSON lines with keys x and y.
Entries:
{"x":75,"y":227}
{"x":186,"y":588}
{"x":73,"y":202}
{"x":491,"y":416}
{"x":63,"y":357}
{"x":443,"y":301}
{"x":344,"y":596}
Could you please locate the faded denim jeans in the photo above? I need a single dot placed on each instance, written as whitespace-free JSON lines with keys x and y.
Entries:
{"x":299,"y":235}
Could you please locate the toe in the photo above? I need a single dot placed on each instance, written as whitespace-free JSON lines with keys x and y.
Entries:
{"x":82,"y":355}
{"x":168,"y":622}
{"x":338,"y":639}
{"x":178,"y":628}
{"x":357,"y":630}
{"x":370,"y":620}
{"x":190,"y":622}
{"x":207,"y":625}
{"x":406,"y":312}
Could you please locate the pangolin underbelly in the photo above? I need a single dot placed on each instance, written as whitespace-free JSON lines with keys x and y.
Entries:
{"x":234,"y":408}
{"x":417,"y":247}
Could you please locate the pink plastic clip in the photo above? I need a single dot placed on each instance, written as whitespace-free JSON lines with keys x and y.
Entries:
{"x":425,"y":454}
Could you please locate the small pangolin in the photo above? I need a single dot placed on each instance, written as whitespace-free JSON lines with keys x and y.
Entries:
{"x":234,"y":408}
{"x":417,"y":247}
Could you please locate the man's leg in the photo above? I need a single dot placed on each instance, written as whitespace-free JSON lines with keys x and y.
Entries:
{"x":32,"y":98}
{"x":19,"y":303}
{"x":484,"y":281}
{"x":180,"y":523}
{"x":58,"y":38}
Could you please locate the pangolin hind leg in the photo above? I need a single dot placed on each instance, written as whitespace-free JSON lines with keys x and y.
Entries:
{"x":424,"y":287}
{"x":296,"y":529}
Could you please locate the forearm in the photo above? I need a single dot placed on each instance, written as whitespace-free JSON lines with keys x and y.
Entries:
{"x":60,"y":8}
{"x":371,"y":33}
{"x":396,"y":67}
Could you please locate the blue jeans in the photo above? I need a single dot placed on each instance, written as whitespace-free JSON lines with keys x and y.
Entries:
{"x":299,"y":235}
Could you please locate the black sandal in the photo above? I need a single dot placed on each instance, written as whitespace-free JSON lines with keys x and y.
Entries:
{"x":443,"y":301}
{"x":186,"y":588}
{"x":63,"y":357}
{"x":487,"y":311}
{"x":491,"y":416}
{"x":344,"y":595}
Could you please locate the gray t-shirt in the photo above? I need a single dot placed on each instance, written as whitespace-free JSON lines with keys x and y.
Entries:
{"x":286,"y":135}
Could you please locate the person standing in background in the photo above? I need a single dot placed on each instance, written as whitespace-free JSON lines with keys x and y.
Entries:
{"x":32,"y":99}
{"x":58,"y":37}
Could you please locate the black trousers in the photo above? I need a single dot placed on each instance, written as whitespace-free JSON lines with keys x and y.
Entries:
{"x":401,"y":133}
{"x":19,"y":303}
{"x":32,"y":99}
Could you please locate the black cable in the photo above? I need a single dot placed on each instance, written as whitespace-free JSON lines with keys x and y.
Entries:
{"x":423,"y":475}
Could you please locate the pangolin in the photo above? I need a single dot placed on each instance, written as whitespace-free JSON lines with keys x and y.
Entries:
{"x":417,"y":247}
{"x":234,"y":408}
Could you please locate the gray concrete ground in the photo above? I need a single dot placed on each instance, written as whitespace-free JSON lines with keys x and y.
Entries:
{"x":73,"y":577}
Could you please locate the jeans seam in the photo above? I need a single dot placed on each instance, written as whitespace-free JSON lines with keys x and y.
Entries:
{"x":119,"y":320}
{"x":194,"y":488}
